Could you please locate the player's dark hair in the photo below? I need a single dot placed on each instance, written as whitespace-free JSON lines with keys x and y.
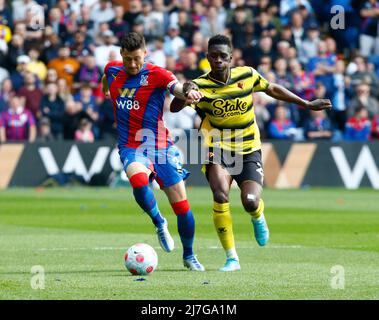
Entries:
{"x":219,"y":39}
{"x":133,"y":41}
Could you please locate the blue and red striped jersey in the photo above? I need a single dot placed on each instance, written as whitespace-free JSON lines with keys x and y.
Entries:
{"x":138,"y":102}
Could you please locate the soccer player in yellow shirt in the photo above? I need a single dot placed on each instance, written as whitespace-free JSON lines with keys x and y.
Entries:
{"x":227,"y":108}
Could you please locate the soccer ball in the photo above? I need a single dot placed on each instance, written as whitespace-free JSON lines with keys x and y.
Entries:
{"x":141,"y":259}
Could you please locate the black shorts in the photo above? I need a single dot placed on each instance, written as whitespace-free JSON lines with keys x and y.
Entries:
{"x":251,"y":167}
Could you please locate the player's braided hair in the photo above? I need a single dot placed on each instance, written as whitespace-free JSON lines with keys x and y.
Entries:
{"x":133,"y":41}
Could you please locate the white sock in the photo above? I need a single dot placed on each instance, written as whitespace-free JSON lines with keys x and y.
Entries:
{"x":231,"y":254}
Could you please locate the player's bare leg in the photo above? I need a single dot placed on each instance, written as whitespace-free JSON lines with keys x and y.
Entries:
{"x":252,"y":202}
{"x":220,"y":182}
{"x":138,"y":176}
{"x":177,"y":196}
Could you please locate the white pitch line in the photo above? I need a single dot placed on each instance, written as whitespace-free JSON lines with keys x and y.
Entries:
{"x":159,"y":248}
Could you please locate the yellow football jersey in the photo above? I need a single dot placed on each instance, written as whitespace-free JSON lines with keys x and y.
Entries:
{"x":227,"y":110}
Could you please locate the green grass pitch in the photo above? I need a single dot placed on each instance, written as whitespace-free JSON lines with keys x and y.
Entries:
{"x":79,"y":237}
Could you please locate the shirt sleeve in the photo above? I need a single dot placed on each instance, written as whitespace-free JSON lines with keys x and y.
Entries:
{"x":167,"y":80}
{"x":260,"y":83}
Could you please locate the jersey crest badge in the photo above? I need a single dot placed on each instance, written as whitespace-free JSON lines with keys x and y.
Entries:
{"x":144,"y":81}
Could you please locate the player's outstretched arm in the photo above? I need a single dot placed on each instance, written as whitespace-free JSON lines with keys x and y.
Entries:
{"x":279,"y":92}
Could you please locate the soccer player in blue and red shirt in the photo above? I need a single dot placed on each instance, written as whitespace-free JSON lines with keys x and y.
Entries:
{"x":137,"y":90}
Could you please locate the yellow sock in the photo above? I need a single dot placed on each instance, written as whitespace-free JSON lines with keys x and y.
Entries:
{"x":257,"y":213}
{"x":223,"y":223}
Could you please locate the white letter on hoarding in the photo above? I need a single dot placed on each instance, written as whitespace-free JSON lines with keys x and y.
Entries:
{"x":365,"y":163}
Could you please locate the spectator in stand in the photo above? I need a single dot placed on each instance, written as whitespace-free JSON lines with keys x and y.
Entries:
{"x":304,"y":86}
{"x":102,"y":12}
{"x":211,"y":25}
{"x":323,"y":67}
{"x":32,"y":94}
{"x":51,"y":76}
{"x":281,"y":127}
{"x":263,"y":26}
{"x":64,"y":91}
{"x":369,"y":38}
{"x":237,"y":60}
{"x":283,"y":77}
{"x":20,"y":8}
{"x":16,"y":49}
{"x":51,"y":45}
{"x":17,"y":76}
{"x":71,"y":119}
{"x":186,"y":26}
{"x":84,"y":132}
{"x":265,"y":66}
{"x":363,"y":98}
{"x":288,"y":6}
{"x":118,"y":25}
{"x":298,"y":31}
{"x":79,"y":46}
{"x":375,"y":127}
{"x":253,"y":54}
{"x":33,"y":34}
{"x":88,"y":72}
{"x":65,"y":66}
{"x":309,"y":46}
{"x":339,"y":98}
{"x":160,"y":11}
{"x":191,"y":67}
{"x":156,"y":53}
{"x":102,"y":52}
{"x":5,"y":12}
{"x":18,"y":122}
{"x":135,"y":8}
{"x":153,"y":27}
{"x":5,"y":93}
{"x":56,"y":21}
{"x":358,"y":127}
{"x":52,"y":108}
{"x":361,"y":73}
{"x":261,"y":111}
{"x":108,"y":125}
{"x":185,"y":119}
{"x":318,"y":126}
{"x":90,"y":107}
{"x":173,"y":42}
{"x":236,"y":26}
{"x":35,"y":65}
{"x":44,"y":131}
{"x":308,"y":16}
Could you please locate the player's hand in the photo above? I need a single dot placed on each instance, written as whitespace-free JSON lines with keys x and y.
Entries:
{"x":194,"y":96}
{"x":319,"y":104}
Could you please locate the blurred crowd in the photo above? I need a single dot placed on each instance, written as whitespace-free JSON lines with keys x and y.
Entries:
{"x":52,"y":55}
